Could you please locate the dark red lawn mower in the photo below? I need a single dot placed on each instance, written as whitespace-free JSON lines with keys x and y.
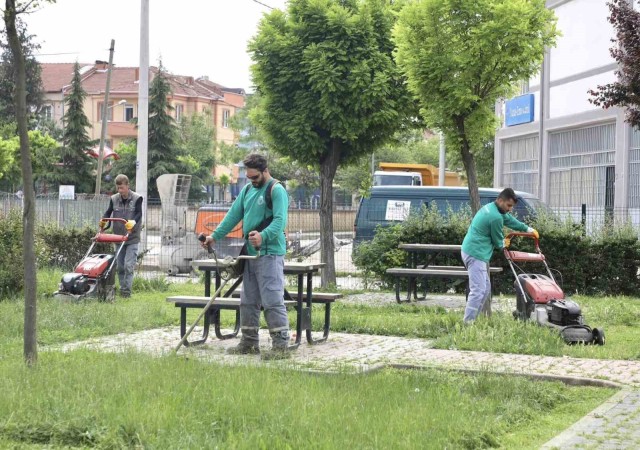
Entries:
{"x":539,"y":298}
{"x":95,"y":275}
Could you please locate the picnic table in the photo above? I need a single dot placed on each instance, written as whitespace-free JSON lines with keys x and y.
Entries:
{"x":421,"y":260}
{"x":303,"y":299}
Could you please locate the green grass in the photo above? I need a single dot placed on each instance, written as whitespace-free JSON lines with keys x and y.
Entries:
{"x":65,"y":321}
{"x":619,"y":316}
{"x":95,"y":400}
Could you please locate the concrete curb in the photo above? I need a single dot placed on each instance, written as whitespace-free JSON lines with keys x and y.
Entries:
{"x":569,"y":380}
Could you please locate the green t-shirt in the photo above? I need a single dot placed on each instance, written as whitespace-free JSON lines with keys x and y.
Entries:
{"x":251,"y":208}
{"x":485,"y":232}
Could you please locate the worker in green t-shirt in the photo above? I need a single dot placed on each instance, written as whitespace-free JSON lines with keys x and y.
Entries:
{"x":485,"y":234}
{"x":262,"y":207}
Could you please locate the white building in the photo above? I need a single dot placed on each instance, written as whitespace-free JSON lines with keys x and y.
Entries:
{"x":570,"y":152}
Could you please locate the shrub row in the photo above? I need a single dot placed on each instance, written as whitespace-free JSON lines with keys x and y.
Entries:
{"x":54,"y":246}
{"x":604,"y":262}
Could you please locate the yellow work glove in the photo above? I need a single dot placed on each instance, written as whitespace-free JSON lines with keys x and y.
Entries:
{"x":507,"y":242}
{"x":130,"y":224}
{"x":102,"y":223}
{"x":534,"y":232}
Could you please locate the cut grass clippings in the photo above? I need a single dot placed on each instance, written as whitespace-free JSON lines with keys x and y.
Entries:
{"x":95,"y":400}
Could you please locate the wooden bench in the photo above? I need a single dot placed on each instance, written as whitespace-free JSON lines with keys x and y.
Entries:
{"x":185,"y":302}
{"x":316,"y":297}
{"x":438,"y":272}
{"x":322,"y":298}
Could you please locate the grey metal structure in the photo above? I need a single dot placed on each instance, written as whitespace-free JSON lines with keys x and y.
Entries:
{"x":573,"y":152}
{"x":178,"y":247}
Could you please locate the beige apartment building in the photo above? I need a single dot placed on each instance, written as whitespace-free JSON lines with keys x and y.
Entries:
{"x":189,"y":95}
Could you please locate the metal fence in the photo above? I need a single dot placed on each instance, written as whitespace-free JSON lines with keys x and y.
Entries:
{"x":171,"y":244}
{"x":171,"y":234}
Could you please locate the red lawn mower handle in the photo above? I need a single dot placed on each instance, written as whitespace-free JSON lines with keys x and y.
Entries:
{"x":523,"y":256}
{"x":103,"y":237}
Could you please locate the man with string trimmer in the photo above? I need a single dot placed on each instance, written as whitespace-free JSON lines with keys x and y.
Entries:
{"x":262,"y":207}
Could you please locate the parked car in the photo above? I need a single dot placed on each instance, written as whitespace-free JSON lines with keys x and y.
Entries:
{"x":388,"y":205}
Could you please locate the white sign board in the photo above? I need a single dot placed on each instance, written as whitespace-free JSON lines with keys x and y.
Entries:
{"x":67,"y":192}
{"x":397,"y":209}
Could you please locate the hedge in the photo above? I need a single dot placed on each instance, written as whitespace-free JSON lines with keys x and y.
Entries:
{"x":605,"y":262}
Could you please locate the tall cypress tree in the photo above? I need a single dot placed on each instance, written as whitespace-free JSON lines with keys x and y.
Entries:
{"x":163,"y":152}
{"x":76,"y":164}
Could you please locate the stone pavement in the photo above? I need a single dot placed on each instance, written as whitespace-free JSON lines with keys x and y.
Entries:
{"x":614,"y":424}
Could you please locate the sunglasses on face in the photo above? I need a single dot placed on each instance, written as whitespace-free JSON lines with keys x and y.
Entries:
{"x":254,"y":178}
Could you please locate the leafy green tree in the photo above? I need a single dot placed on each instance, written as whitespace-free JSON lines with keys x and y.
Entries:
{"x":625,"y":91}
{"x":44,"y":154}
{"x":197,"y":137}
{"x":126,"y":164}
{"x":224,"y":181}
{"x":461,"y":56}
{"x":163,"y":153}
{"x":10,"y":14}
{"x":76,"y":164}
{"x":329,"y":89}
{"x":7,"y":72}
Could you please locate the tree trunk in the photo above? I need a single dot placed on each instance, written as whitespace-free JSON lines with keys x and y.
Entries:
{"x":469,"y":165}
{"x":328,"y":166}
{"x":28,"y":213}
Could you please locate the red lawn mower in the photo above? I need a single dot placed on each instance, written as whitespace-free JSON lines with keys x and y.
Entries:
{"x":539,"y":298}
{"x":95,"y":275}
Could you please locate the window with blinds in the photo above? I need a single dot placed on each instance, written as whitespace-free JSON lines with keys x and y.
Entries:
{"x":520,"y":164}
{"x":582,"y":166}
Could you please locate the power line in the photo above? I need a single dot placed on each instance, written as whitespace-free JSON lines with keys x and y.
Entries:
{"x":54,"y":54}
{"x":263,"y":4}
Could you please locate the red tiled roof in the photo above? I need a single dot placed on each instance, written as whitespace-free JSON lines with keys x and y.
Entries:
{"x":57,"y":75}
{"x":123,"y":81}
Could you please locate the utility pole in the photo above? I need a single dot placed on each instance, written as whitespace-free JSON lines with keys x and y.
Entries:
{"x":143,"y":116}
{"x":443,"y":161}
{"x":105,"y":109}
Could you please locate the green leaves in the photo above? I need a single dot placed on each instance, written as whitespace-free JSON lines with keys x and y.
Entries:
{"x":324,"y":71}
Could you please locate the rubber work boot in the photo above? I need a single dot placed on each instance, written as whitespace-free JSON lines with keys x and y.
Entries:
{"x":279,"y":348}
{"x":276,"y":353}
{"x":249,"y":343}
{"x":244,"y":348}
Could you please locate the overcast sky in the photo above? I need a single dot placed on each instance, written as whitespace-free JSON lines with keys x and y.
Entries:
{"x":193,"y":37}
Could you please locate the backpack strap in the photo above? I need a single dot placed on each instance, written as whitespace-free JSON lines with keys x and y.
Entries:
{"x":267,"y":195}
{"x":269,"y":202}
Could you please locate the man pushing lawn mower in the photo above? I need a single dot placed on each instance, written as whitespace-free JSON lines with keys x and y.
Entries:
{"x":126,"y":205}
{"x":485,"y":234}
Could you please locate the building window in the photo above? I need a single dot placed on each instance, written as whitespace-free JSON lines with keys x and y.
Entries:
{"x":128,"y":112}
{"x":179,"y":112}
{"x":47,"y":112}
{"x":520,"y":164}
{"x":579,"y":166}
{"x":524,"y":87}
{"x":109,"y":111}
{"x":225,"y":118}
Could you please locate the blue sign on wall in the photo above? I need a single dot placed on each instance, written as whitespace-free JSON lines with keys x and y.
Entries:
{"x":519,"y":110}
